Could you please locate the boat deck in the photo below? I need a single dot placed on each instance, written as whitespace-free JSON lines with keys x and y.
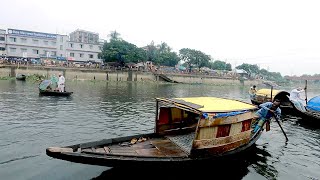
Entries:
{"x":168,"y":146}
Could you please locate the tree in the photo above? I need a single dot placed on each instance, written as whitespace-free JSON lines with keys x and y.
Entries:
{"x":220,"y":65}
{"x":122,"y":52}
{"x":249,"y":68}
{"x":194,"y":57}
{"x":114,"y":35}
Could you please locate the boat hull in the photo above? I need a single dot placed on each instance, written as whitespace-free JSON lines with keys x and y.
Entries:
{"x":54,"y":93}
{"x":102,"y":159}
{"x":21,"y":77}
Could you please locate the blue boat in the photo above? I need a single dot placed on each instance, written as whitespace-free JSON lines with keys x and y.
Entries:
{"x":312,"y":113}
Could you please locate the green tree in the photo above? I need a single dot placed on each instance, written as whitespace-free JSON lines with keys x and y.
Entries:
{"x":114,"y":35}
{"x":221,"y":65}
{"x":249,"y":68}
{"x":194,"y":57}
{"x":122,"y":51}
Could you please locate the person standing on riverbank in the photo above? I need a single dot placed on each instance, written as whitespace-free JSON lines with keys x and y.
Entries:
{"x":252,"y":92}
{"x":61,"y":83}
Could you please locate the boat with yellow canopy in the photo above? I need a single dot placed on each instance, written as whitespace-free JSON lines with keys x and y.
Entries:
{"x":267,"y":95}
{"x":187,"y":130}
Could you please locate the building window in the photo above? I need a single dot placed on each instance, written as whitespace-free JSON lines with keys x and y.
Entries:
{"x":23,"y":50}
{"x":81,"y":45}
{"x":2,"y":38}
{"x":46,"y":53}
{"x":61,"y":47}
{"x":53,"y":43}
{"x":71,"y":54}
{"x":2,"y":49}
{"x":61,"y":39}
{"x":53,"y":53}
{"x":13,"y":39}
{"x":13,"y":50}
{"x":71,"y":45}
{"x":23,"y":40}
{"x":35,"y":51}
{"x":91,"y":46}
{"x":46,"y":42}
{"x":91,"y":56}
{"x":35,"y":41}
{"x":81,"y":54}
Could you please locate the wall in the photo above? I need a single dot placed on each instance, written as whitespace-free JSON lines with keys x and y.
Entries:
{"x":96,"y":74}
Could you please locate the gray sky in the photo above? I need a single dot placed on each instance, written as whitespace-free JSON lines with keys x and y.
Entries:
{"x":278,"y":35}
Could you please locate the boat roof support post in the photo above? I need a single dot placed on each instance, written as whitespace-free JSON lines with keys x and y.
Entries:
{"x":156,"y":119}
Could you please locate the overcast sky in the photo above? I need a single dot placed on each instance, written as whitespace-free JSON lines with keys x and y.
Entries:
{"x":278,"y":35}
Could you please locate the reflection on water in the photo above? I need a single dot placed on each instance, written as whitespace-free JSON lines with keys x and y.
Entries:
{"x":30,"y":123}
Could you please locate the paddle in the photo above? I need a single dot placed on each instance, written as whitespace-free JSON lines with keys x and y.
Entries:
{"x":274,"y":115}
{"x":305,"y":91}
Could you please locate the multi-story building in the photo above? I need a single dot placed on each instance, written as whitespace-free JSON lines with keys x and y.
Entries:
{"x":2,"y":42}
{"x":82,"y":36}
{"x":38,"y":45}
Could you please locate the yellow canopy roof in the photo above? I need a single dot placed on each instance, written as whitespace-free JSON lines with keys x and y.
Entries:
{"x":267,"y":92}
{"x":212,"y":104}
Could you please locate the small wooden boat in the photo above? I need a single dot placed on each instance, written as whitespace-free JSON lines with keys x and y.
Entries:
{"x":312,"y":113}
{"x":21,"y":77}
{"x":54,"y":93}
{"x":187,"y":131}
{"x":46,"y":90}
{"x":267,"y":95}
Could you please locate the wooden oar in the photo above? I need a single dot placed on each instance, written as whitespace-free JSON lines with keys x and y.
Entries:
{"x":280,"y":126}
{"x":305,"y":91}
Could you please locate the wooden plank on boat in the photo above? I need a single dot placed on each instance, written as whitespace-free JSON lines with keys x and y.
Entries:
{"x":217,"y":142}
{"x":100,"y":150}
{"x":60,"y":149}
{"x":235,"y":129}
{"x":224,"y":148}
{"x":169,"y":149}
{"x":118,"y":150}
{"x":226,"y":120}
{"x":154,"y":152}
{"x":107,"y":149}
{"x":207,"y":132}
{"x":87,"y":150}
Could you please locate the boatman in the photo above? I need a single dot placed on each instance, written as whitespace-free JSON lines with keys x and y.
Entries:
{"x":252,"y":92}
{"x":266,"y":111}
{"x":61,"y":83}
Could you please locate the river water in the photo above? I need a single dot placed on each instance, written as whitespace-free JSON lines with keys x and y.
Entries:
{"x":30,"y":123}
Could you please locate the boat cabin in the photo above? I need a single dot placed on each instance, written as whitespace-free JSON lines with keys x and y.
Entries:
{"x":205,"y":125}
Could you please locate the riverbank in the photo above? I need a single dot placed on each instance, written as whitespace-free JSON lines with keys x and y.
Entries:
{"x":119,"y":75}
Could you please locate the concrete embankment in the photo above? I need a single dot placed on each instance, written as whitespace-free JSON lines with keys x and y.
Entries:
{"x":108,"y":75}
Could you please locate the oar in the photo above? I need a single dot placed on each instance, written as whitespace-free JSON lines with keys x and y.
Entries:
{"x":280,"y":126}
{"x":305,"y":91}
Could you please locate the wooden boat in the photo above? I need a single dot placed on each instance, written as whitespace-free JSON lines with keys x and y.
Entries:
{"x":267,"y":95}
{"x":54,"y":93}
{"x":312,"y":113}
{"x":21,"y":77}
{"x":187,"y":131}
{"x":46,"y":90}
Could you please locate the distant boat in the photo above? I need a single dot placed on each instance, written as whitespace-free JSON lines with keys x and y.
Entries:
{"x":46,"y":90}
{"x":187,"y":130}
{"x":267,"y":95}
{"x":21,"y":77}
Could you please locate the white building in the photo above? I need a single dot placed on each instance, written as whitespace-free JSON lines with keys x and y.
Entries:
{"x":2,"y":42}
{"x":39,"y":45}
